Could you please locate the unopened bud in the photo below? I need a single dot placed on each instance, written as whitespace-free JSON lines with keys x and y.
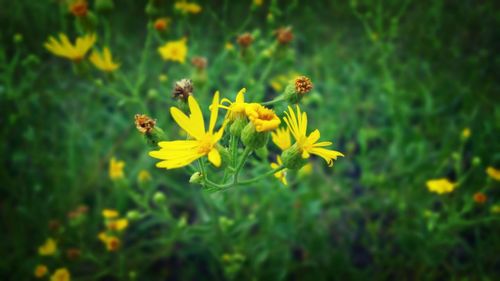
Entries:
{"x":253,"y":139}
{"x":292,"y":158}
{"x":159,"y":198}
{"x":134,"y":215}
{"x":296,"y":90}
{"x":183,"y":89}
{"x":197,"y":177}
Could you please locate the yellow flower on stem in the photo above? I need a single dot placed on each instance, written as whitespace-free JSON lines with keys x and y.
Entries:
{"x":281,"y":175}
{"x":281,"y":138}
{"x":264,"y":119}
{"x":110,"y":214}
{"x":174,"y":50}
{"x":307,"y":145}
{"x":117,"y":225}
{"x":187,"y":7}
{"x":116,"y":169}
{"x":493,"y":173}
{"x":49,"y":248}
{"x":237,"y":108}
{"x":64,"y":48}
{"x":103,"y":61}
{"x":112,"y":242}
{"x":40,"y":271}
{"x":440,"y":186}
{"x":61,"y":274}
{"x":144,"y":176}
{"x":180,"y":153}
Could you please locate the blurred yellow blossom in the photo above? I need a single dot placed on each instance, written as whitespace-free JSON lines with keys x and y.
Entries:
{"x":117,"y":225}
{"x":440,"y":186}
{"x":495,"y":209}
{"x":493,"y":173}
{"x":279,"y":82}
{"x":280,"y":175}
{"x":49,"y":248}
{"x":116,"y":169}
{"x":61,"y":274}
{"x":103,"y":61}
{"x":229,"y":46}
{"x":144,"y":176}
{"x":40,"y":271}
{"x":258,"y":2}
{"x":111,"y":242}
{"x":187,"y":7}
{"x":466,"y":133}
{"x":64,"y":48}
{"x":174,"y":50}
{"x":479,"y":197}
{"x":306,"y":170}
{"x":110,"y":213}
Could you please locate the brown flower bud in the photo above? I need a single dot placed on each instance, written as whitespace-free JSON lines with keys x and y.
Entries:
{"x":54,"y":224}
{"x":284,"y":35}
{"x":144,"y":123}
{"x":199,"y":62}
{"x":161,"y":24}
{"x":245,"y":40}
{"x":183,"y":89}
{"x":79,"y":8}
{"x":73,"y":253}
{"x":303,"y":85}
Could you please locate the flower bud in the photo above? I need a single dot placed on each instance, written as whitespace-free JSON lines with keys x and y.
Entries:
{"x":262,"y":152}
{"x":159,"y":198}
{"x":161,"y":24}
{"x":147,"y":127}
{"x":237,"y":126}
{"x":292,"y":158}
{"x":245,"y":40}
{"x":199,"y":62}
{"x":134,"y":215}
{"x":296,"y":90}
{"x":183,"y":89}
{"x":197,"y":177}
{"x":253,"y":139}
{"x":18,"y":38}
{"x":224,"y":154}
{"x":284,"y":35}
{"x":476,"y":161}
{"x":79,"y":8}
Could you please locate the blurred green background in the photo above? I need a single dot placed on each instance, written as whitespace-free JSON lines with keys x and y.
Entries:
{"x":396,"y":83}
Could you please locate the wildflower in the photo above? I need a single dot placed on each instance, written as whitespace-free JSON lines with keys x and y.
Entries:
{"x":79,"y":8}
{"x":143,"y":176}
{"x":493,"y":173}
{"x":183,"y":89}
{"x":40,"y":271}
{"x":162,"y":24}
{"x":479,"y":197}
{"x":48,"y":248}
{"x":280,"y":175}
{"x":116,"y":169}
{"x":440,"y":186}
{"x":103,"y":61}
{"x":187,"y":7}
{"x":281,"y":138}
{"x":466,"y":133}
{"x":296,"y":90}
{"x":64,"y":48}
{"x":245,"y":40}
{"x":110,"y":214}
{"x":117,"y":225}
{"x":144,"y":123}
{"x":229,"y":46}
{"x":264,"y":119}
{"x":199,"y":62}
{"x":305,"y":145}
{"x":61,"y":274}
{"x":112,"y":242}
{"x":495,"y":209}
{"x":284,"y":35}
{"x":174,"y":50}
{"x":176,"y":154}
{"x":235,"y":109}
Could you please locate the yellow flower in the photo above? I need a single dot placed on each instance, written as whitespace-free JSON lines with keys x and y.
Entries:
{"x":229,"y":46}
{"x":40,"y":271}
{"x":104,"y":61}
{"x":112,"y":242}
{"x":237,"y":108}
{"x":49,"y":248}
{"x":174,"y":50}
{"x":144,"y":176}
{"x":493,"y":173}
{"x":61,"y":274}
{"x":187,"y":8}
{"x":258,"y":2}
{"x":264,"y":119}
{"x":466,"y":133}
{"x":495,"y":209}
{"x":65,"y":49}
{"x":281,"y":138}
{"x":117,"y":225}
{"x":297,"y":124}
{"x":116,"y":169}
{"x":440,"y":186}
{"x":176,"y":154}
{"x":280,"y":175}
{"x":110,"y":214}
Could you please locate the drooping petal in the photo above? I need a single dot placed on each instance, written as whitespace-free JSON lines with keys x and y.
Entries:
{"x":214,"y":109}
{"x":186,"y":123}
{"x":214,"y":157}
{"x":327,"y":154}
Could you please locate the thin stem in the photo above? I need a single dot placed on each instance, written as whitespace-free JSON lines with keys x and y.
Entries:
{"x":272,"y":172}
{"x":243,"y":159}
{"x":276,"y":100}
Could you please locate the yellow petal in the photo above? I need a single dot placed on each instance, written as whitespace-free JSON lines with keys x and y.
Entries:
{"x":214,"y":109}
{"x":185,"y":123}
{"x":214,"y":157}
{"x":196,"y":116}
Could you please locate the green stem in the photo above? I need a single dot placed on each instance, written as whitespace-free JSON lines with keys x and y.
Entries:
{"x":276,"y":100}
{"x":243,"y":159}
{"x":272,"y":172}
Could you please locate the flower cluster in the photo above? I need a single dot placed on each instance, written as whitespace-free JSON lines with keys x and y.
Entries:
{"x":114,"y":228}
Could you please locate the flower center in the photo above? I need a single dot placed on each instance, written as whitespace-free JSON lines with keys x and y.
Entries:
{"x":205,"y":145}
